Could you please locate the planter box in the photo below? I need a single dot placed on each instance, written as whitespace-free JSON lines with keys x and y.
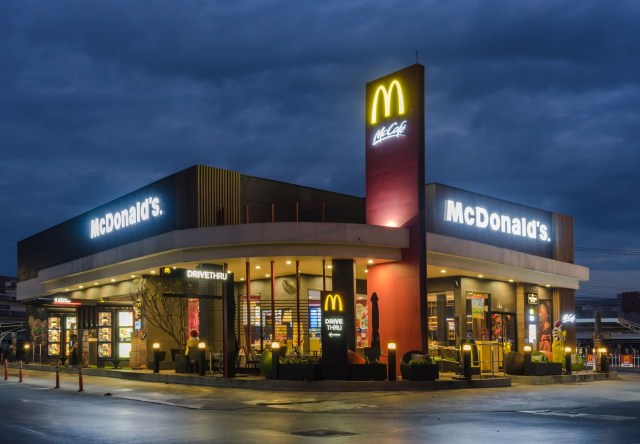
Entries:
{"x":539,"y":368}
{"x":422,"y":372}
{"x":367,"y":372}
{"x":299,"y":372}
{"x":554,"y":368}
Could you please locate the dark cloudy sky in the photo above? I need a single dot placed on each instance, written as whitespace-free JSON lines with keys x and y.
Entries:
{"x":536,"y":102}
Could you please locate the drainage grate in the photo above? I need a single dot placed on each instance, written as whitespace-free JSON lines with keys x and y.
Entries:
{"x":320,"y":433}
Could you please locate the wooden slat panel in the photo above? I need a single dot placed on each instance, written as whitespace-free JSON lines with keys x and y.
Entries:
{"x":563,"y":242}
{"x":520,"y":316}
{"x":217,"y":190}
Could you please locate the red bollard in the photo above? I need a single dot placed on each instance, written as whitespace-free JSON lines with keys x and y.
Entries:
{"x":81,"y":388}
{"x":20,"y":373}
{"x":6,"y":370}
{"x":57,"y":375}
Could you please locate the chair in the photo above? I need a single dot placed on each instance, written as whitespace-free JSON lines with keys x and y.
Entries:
{"x":251,"y":360}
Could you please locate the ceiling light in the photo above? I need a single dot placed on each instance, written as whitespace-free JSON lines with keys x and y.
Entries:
{"x":366,"y":270}
{"x":288,"y":262}
{"x":66,"y":289}
{"x":95,"y":283}
{"x":481,"y":276}
{"x":133,"y":275}
{"x":267,"y":275}
{"x":257,"y":267}
{"x":510,"y":280}
{"x":242,"y":279}
{"x":370,"y":261}
{"x":443,"y":271}
{"x":113,"y":280}
{"x":153,"y":272}
{"x":329,"y":267}
{"x":547,"y":285}
{"x":80,"y":286}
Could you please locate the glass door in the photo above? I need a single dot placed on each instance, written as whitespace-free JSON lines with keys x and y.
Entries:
{"x":478,"y":316}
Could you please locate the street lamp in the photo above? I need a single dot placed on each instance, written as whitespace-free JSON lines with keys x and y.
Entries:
{"x":391,"y":361}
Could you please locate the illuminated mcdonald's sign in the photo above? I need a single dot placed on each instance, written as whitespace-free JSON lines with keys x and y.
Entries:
{"x":386,"y":95}
{"x":335,"y":301}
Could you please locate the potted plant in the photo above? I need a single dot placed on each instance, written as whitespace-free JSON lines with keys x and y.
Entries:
{"x":371,"y":370}
{"x":416,"y":366}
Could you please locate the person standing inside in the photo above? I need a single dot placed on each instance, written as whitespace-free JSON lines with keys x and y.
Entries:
{"x":73,"y":350}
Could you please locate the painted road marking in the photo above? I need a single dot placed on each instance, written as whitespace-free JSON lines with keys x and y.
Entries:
{"x":579,"y":415}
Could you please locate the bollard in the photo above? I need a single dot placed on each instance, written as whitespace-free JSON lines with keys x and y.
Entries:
{"x":57,"y":375}
{"x":391,"y":361}
{"x":466,"y":361}
{"x":567,"y":359}
{"x":81,"y":387}
{"x":6,"y":370}
{"x":275,"y":359}
{"x":20,"y":373}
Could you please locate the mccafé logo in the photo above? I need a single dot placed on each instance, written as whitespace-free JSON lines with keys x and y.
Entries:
{"x":334,"y":301}
{"x":395,"y":129}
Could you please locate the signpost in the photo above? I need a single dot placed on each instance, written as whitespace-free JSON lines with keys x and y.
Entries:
{"x":334,"y":336}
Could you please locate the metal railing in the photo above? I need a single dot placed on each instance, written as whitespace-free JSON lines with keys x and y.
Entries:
{"x":615,"y":361}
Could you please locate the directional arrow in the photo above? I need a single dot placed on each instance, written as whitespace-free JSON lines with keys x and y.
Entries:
{"x":332,"y":334}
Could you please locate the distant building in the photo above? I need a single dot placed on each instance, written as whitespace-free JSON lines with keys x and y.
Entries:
{"x":620,"y":322}
{"x":11,"y":310}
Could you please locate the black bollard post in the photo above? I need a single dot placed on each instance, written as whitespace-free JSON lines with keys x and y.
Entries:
{"x":275,"y":358}
{"x":391,"y":364}
{"x":567,"y":359}
{"x":156,"y":357}
{"x":202,"y":368}
{"x":528,"y":370}
{"x":466,"y":361}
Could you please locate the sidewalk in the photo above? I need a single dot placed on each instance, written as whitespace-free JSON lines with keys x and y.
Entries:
{"x":445,"y":382}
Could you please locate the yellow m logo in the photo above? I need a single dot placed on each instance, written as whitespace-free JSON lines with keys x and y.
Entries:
{"x":166,"y":270}
{"x":386,"y":95}
{"x":336,"y":302}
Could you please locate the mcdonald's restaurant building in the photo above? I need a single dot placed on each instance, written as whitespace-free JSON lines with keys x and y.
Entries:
{"x":253,"y":258}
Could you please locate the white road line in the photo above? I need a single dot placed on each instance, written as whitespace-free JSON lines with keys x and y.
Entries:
{"x":579,"y":415}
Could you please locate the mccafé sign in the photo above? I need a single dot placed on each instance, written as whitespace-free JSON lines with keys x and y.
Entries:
{"x":387,"y":108}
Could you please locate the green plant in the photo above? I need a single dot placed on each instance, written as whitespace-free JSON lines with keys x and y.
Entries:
{"x":420,"y":361}
{"x":294,"y":360}
{"x":372,"y":361}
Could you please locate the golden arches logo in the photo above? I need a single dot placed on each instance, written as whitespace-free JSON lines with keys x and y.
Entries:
{"x":386,"y":95}
{"x":166,"y":270}
{"x":335,"y":300}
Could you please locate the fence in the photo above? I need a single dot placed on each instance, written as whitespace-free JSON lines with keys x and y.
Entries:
{"x":616,"y":361}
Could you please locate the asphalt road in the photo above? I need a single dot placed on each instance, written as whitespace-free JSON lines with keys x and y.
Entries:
{"x":118,"y":411}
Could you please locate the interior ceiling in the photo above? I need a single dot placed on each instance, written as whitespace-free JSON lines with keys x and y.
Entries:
{"x":260,"y":268}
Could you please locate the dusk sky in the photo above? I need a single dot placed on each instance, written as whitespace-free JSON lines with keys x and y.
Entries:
{"x":536,"y":102}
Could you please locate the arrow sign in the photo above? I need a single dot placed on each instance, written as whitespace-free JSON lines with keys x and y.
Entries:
{"x":332,"y":334}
